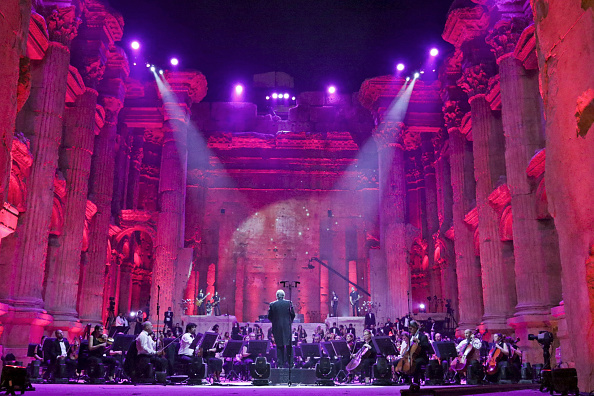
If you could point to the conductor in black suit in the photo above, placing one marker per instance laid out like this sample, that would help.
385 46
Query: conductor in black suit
281 315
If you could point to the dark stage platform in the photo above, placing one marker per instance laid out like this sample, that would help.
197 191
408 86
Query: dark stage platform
247 389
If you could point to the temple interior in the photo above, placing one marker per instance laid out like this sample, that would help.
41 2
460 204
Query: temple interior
465 197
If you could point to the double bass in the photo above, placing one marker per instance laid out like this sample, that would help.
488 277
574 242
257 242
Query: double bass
356 360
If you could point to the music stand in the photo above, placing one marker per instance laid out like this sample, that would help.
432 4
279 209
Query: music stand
384 346
122 342
31 350
329 349
445 350
258 347
196 341
310 350
341 347
232 349
208 340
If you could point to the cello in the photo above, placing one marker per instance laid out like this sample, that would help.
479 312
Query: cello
496 354
407 365
356 360
459 363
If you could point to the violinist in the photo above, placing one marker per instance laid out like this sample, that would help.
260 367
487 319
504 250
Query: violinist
98 348
186 354
498 354
146 348
59 351
419 355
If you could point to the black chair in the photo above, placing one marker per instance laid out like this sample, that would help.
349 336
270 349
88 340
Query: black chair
139 370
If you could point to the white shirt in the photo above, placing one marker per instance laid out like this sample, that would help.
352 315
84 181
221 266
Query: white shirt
184 345
62 347
145 344
476 343
121 322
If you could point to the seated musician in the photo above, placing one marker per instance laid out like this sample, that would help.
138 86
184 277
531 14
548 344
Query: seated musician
59 351
504 350
97 352
402 347
472 356
215 364
368 358
145 345
422 356
186 354
245 358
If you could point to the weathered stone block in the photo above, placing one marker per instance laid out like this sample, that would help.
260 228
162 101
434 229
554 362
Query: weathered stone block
233 111
299 113
311 98
338 99
323 114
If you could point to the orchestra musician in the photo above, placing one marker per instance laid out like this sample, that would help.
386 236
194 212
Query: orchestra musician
215 364
146 348
59 351
334 304
368 359
187 355
99 351
472 356
422 356
498 354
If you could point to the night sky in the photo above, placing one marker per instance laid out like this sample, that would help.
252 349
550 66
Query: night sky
318 42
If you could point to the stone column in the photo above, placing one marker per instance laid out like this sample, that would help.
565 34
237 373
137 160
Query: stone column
468 270
169 259
432 220
13 33
392 195
136 156
75 163
524 136
499 291
90 306
122 162
125 299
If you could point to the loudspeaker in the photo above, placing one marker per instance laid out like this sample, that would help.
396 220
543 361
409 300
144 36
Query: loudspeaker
298 376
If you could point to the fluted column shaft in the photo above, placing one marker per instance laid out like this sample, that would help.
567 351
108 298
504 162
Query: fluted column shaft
392 195
13 38
432 219
522 123
468 269
136 156
171 220
42 122
75 163
100 192
499 289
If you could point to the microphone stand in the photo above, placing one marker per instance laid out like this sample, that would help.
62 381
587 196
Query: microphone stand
291 285
158 300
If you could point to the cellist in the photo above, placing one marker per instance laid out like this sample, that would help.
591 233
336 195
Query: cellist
499 353
467 356
420 355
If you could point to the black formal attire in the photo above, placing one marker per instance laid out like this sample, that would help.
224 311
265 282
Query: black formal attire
422 358
369 319
352 331
96 357
138 325
216 301
235 333
56 351
281 315
168 321
334 304
368 360
334 330
354 295
202 307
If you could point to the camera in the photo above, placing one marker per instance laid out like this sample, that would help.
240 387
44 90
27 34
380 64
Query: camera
543 337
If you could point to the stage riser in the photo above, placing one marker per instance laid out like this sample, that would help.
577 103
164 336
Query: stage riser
298 376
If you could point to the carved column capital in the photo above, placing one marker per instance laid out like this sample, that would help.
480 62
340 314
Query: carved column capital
112 107
452 114
386 134
505 35
475 79
62 25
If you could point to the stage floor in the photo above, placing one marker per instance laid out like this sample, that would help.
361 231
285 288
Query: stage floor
247 389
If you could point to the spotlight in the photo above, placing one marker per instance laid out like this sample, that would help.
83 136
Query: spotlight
238 89
267 97
286 96
422 306
174 61
293 98
132 314
134 63
331 89
400 67
434 52
407 78
153 68
417 75
260 371
148 65
161 72
274 95
325 372
422 71
135 45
